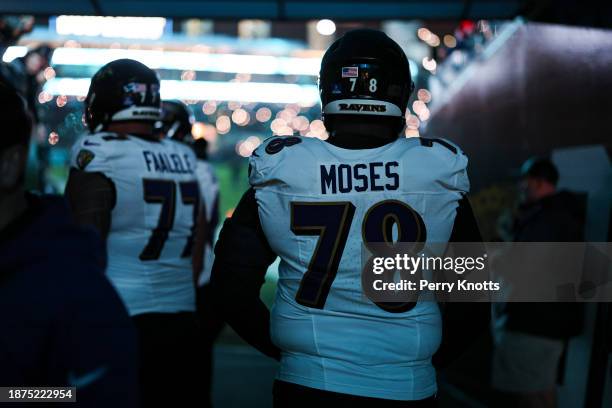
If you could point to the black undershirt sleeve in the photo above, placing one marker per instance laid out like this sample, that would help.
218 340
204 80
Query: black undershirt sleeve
242 257
463 323
465 227
91 197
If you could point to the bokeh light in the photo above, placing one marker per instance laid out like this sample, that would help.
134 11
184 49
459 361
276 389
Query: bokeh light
434 41
326 27
450 41
418 106
197 130
233 105
204 131
412 122
300 123
246 147
223 124
412 133
263 114
44 97
424 95
209 107
287 115
61 101
53 138
317 129
424 34
279 127
424 114
240 117
49 73
429 64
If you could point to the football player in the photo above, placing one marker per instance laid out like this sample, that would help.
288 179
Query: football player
314 203
177 120
63 324
141 193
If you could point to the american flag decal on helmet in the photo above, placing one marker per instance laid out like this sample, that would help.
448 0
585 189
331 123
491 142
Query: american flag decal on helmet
350 72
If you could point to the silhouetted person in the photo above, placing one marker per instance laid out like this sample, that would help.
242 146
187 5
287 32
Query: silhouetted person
62 324
140 192
531 342
177 120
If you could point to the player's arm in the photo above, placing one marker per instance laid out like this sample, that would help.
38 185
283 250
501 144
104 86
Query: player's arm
96 340
463 322
242 257
91 197
465 226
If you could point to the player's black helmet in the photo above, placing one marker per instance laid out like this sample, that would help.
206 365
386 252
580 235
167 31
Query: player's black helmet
177 120
122 90
365 73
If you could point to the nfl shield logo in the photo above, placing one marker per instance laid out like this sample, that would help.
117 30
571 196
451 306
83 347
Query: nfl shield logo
350 72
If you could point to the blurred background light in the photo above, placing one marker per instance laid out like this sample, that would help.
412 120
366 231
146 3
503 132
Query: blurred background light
125 27
209 107
223 124
429 64
53 138
308 95
183 60
326 27
450 41
13 52
263 114
424 95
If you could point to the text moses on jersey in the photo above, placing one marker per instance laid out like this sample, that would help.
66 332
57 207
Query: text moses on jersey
346 178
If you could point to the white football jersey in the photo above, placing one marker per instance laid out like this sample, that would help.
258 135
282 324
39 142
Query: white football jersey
317 204
151 234
209 189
